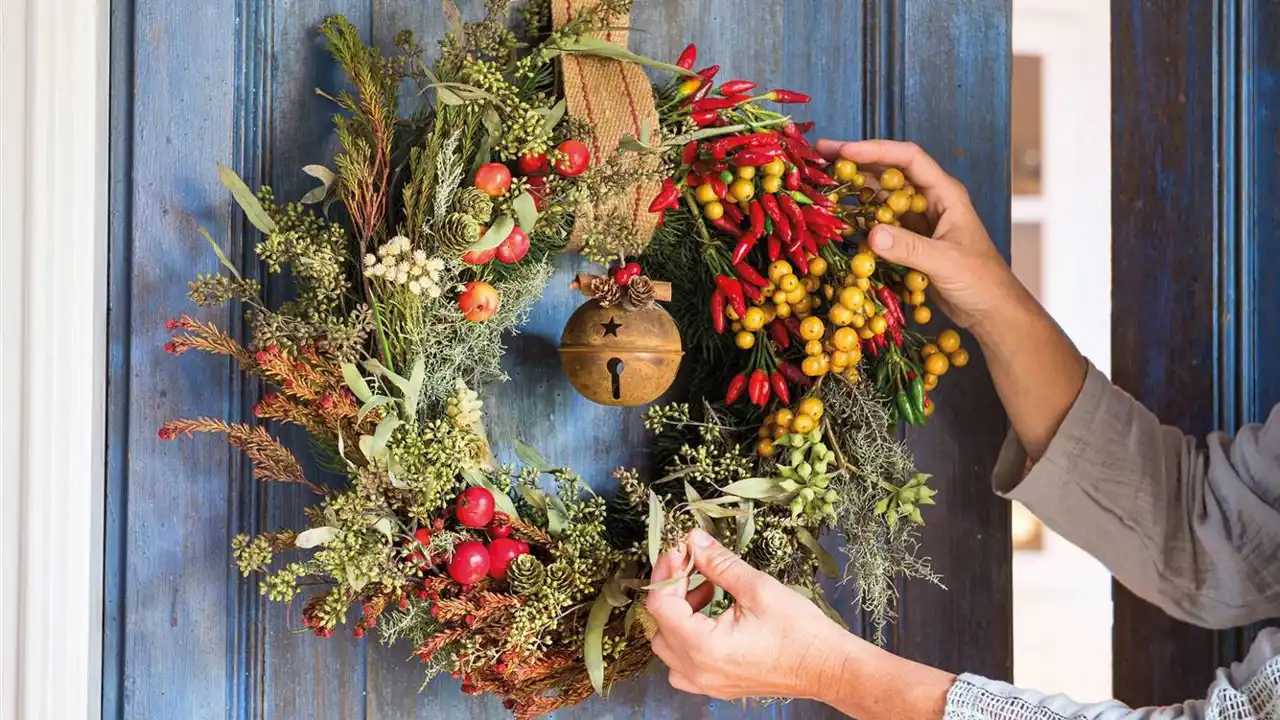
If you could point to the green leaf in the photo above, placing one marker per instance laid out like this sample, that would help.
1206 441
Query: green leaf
315 536
356 382
746 526
593 643
630 144
498 232
417 375
382 434
644 131
615 588
699 515
326 178
599 47
222 257
826 563
248 202
552 116
713 510
445 96
557 521
384 526
526 210
381 371
476 478
761 488
535 497
656 521
629 619
372 404
531 457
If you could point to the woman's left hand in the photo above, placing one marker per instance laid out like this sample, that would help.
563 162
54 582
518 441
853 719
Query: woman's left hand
771 643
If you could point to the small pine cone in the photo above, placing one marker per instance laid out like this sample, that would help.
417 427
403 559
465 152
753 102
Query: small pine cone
526 574
774 549
476 203
457 232
559 576
605 291
640 293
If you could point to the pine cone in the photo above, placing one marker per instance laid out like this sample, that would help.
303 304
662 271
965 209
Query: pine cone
773 550
476 203
605 291
457 232
559 576
526 574
639 293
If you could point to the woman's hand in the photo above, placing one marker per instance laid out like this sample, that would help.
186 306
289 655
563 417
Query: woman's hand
771 643
971 281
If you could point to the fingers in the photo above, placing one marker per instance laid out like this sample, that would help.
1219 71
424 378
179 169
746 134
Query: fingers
668 604
923 171
901 246
699 597
680 682
724 568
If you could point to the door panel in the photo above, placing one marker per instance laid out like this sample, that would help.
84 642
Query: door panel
233 81
1196 147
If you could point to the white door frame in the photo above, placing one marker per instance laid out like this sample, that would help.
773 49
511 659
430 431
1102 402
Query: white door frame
53 279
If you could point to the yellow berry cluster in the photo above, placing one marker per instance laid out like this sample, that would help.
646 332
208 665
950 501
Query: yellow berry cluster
940 357
894 199
801 419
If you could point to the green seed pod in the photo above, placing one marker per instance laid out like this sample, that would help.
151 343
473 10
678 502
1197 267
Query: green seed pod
820 481
807 495
832 496
789 485
797 506
820 467
797 457
804 470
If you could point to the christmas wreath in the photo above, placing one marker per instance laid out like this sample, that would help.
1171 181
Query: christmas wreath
428 242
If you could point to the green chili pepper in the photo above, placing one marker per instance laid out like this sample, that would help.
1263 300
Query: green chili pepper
917 397
904 408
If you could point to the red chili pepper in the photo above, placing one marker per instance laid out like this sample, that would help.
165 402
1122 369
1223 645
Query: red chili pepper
817 177
780 388
719 103
734 213
751 292
690 153
662 219
786 96
667 197
748 273
816 196
791 209
757 217
736 386
688 57
744 246
808 242
880 342
692 180
893 310
798 258
703 119
869 345
774 246
722 147
757 156
791 180
723 225
794 374
780 225
780 335
736 87
718 300
706 74
759 387
719 187
733 291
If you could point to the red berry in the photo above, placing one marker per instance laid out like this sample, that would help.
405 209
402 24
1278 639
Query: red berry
500 668
475 507
404 602
494 179
359 632
423 536
514 247
574 158
470 563
535 164
500 527
479 257
501 552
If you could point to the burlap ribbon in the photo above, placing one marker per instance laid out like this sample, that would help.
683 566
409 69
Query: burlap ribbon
616 98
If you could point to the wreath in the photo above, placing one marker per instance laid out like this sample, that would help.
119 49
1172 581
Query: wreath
427 244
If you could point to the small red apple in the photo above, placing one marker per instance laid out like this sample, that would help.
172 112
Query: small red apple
535 164
514 247
479 257
494 179
475 507
478 301
501 552
574 158
538 189
470 563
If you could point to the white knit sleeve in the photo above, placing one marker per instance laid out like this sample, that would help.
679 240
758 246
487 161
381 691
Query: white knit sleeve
1248 690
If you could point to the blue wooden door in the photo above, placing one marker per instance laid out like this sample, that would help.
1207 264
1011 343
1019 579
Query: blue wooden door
195 83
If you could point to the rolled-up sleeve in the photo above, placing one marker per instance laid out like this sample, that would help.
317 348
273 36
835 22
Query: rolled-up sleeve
1193 529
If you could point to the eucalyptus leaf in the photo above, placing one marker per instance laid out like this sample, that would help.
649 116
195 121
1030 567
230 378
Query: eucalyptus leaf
531 457
372 404
366 446
326 178
315 536
656 521
245 198
384 526
417 375
557 521
501 500
629 619
222 257
761 488
498 232
396 482
593 643
826 563
746 526
534 497
526 211
381 370
615 592
552 116
445 96
715 511
630 144
645 128
599 47
382 434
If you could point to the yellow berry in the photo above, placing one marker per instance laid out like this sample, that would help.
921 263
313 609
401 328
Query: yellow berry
817 267
828 292
863 284
766 430
915 297
713 210
845 170
735 326
960 358
730 313
783 418
840 360
783 309
878 325
859 320
928 350
948 341
869 307
705 194
845 338
855 354
865 333
852 373
804 423
770 313
892 179
928 408
812 329
746 172
789 282
774 167
810 406
754 319
852 298
916 280
859 180
779 269
797 296
840 316
930 381
810 283
745 340
742 189
919 203
863 265
779 297
923 315
813 347
771 183
937 364
899 202
765 448
884 214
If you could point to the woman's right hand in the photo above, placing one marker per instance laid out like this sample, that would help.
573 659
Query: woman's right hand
972 281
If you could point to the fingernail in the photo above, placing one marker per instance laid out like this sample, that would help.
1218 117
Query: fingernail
702 539
882 238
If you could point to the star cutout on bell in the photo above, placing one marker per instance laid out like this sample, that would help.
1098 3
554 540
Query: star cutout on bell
611 327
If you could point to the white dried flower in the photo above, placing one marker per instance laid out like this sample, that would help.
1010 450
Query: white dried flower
402 276
433 290
415 287
402 243
420 256
435 265
370 260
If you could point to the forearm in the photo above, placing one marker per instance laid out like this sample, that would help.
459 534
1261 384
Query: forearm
1037 370
865 682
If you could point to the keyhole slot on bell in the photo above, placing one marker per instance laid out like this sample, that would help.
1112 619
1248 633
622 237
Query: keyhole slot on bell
615 373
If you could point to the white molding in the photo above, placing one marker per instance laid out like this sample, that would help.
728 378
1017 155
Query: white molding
54 222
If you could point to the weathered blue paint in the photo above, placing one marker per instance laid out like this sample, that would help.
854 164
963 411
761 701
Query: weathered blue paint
1196 310
233 81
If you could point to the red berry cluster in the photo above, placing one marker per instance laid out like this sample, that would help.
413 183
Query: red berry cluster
473 560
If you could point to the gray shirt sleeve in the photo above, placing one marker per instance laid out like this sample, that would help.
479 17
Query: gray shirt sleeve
1191 528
